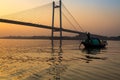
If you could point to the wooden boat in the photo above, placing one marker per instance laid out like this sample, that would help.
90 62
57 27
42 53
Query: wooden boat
94 42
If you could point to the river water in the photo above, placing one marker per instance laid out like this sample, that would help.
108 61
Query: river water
22 59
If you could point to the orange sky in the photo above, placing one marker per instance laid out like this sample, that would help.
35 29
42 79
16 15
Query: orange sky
96 16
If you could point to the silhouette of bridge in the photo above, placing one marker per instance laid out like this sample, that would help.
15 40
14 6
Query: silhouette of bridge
38 26
53 28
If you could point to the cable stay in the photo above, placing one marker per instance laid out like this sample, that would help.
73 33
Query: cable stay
70 22
73 18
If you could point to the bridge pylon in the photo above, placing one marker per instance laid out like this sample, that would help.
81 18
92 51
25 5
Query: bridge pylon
53 20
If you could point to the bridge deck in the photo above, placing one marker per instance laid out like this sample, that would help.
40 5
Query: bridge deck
38 26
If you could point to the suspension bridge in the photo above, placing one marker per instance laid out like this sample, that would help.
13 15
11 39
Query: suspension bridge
39 16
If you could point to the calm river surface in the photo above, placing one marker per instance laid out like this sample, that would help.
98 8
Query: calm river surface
35 60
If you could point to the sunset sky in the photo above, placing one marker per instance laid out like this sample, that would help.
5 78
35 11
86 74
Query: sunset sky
96 16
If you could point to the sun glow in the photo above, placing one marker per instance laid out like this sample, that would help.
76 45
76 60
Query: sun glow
96 16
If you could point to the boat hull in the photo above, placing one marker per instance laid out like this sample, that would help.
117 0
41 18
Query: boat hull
93 46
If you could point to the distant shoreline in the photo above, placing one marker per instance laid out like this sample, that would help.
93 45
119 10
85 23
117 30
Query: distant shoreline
57 38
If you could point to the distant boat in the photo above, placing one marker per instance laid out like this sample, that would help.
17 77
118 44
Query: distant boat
92 42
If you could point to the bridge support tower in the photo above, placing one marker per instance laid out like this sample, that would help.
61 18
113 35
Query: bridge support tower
53 20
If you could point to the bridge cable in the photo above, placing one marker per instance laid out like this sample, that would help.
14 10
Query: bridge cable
31 9
73 17
34 15
69 21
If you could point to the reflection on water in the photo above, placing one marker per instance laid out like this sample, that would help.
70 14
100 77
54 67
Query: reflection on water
27 60
93 51
56 66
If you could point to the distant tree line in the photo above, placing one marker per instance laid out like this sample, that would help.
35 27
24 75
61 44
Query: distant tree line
77 37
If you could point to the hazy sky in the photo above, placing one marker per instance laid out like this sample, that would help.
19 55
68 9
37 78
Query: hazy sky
96 16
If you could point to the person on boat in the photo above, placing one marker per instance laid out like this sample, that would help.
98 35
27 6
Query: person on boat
88 36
